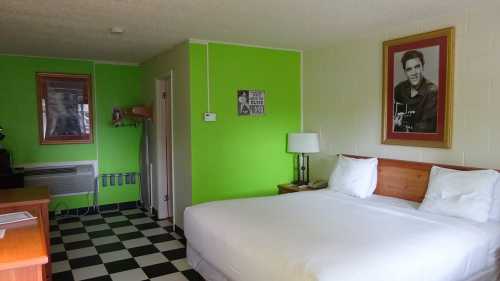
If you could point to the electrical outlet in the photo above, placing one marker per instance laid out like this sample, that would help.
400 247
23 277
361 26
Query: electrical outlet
209 117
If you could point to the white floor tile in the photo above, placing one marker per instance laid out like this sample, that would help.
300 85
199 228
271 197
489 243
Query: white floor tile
83 252
97 227
136 242
181 264
124 229
75 237
70 225
154 231
115 219
141 221
115 256
129 275
57 248
105 240
90 272
171 277
60 266
151 259
164 223
169 245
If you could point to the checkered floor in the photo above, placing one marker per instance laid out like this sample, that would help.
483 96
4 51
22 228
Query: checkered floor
122 245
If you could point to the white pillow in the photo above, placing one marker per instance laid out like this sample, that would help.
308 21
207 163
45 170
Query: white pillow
495 205
356 177
464 194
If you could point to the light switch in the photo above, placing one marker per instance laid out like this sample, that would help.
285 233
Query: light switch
210 116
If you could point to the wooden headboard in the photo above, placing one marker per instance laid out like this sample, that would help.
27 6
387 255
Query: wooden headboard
405 179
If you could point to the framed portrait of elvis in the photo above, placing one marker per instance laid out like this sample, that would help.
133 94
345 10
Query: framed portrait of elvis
418 89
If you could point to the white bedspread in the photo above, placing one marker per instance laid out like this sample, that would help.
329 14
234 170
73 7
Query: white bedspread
323 235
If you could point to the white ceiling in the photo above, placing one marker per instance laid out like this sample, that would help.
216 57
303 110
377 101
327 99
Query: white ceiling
80 28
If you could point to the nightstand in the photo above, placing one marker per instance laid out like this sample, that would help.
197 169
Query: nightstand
289 188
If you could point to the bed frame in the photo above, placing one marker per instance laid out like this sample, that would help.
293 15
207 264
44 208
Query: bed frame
406 179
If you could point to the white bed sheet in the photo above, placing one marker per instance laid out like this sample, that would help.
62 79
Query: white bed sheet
324 235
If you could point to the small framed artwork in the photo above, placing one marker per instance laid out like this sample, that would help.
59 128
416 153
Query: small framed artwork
250 102
64 108
418 89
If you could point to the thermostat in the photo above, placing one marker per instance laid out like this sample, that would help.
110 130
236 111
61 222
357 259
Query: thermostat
209 117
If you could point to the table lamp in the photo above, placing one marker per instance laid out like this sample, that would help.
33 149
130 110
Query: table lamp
303 144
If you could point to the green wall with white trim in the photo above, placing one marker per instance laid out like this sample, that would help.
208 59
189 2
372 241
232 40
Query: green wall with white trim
118 148
242 156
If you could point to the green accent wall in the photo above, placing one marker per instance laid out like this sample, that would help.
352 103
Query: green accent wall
118 148
242 156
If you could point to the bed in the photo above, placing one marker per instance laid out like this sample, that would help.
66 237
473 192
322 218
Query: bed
325 235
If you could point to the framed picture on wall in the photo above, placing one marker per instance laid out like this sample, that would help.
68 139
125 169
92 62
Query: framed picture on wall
64 108
418 89
250 102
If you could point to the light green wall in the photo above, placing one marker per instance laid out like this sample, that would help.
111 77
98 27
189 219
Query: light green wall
175 61
242 156
116 85
19 113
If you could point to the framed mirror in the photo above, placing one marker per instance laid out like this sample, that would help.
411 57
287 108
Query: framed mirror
64 108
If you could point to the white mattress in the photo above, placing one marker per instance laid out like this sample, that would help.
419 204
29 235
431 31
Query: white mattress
324 235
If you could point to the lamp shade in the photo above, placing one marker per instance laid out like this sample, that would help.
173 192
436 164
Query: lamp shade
303 142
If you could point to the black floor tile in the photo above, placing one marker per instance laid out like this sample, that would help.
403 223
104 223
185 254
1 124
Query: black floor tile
56 240
143 250
147 226
136 216
67 220
121 265
101 233
192 275
78 245
130 235
85 261
152 271
94 222
72 231
100 278
175 254
119 224
109 247
58 257
111 214
156 270
63 276
160 238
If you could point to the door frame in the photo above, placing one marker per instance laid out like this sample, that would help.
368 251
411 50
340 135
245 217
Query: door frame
161 145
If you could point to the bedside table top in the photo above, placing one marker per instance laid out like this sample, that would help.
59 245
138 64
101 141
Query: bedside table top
290 187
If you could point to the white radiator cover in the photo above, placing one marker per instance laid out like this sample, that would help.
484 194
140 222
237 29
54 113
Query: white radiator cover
62 178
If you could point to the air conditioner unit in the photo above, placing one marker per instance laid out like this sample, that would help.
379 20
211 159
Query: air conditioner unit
62 178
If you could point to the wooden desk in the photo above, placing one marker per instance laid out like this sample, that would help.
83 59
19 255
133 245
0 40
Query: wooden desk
34 200
23 252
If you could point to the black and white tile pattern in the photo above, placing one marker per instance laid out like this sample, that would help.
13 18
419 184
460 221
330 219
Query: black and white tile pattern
118 246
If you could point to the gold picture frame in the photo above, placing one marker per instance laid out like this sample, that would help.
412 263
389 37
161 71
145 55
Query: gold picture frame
417 106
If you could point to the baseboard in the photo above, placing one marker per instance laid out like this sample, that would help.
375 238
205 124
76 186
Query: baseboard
102 208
